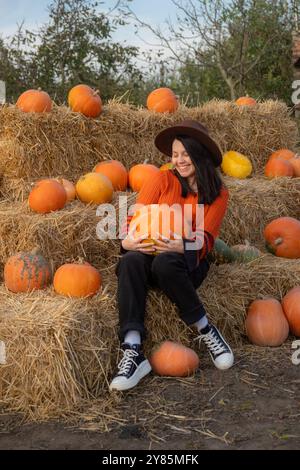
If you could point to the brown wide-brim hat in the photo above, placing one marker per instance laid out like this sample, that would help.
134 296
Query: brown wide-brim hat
190 128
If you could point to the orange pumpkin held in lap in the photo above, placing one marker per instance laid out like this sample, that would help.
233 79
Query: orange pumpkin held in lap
282 237
83 99
174 360
34 101
115 172
77 280
162 100
291 307
47 196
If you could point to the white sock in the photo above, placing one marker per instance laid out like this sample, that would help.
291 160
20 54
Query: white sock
202 323
132 337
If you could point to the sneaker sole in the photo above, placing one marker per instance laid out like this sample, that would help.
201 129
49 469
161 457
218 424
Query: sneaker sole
141 372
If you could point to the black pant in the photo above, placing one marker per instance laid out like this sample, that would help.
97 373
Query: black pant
137 271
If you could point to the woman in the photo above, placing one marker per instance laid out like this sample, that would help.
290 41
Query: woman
176 269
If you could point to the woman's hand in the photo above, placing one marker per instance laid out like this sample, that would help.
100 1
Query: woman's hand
132 244
169 245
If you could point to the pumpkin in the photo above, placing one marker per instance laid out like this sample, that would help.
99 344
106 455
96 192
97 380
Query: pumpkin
245 101
162 100
25 272
223 253
115 172
295 162
284 154
246 252
95 188
174 360
278 167
139 174
167 166
34 101
291 308
46 196
266 324
282 237
83 99
77 280
236 164
69 188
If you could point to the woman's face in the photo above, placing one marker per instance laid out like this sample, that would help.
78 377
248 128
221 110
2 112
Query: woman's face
181 160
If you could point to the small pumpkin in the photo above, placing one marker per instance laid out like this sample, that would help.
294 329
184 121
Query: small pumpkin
115 172
236 164
266 324
34 101
77 280
282 237
245 101
94 188
139 174
46 196
162 100
291 307
167 166
295 162
277 167
25 272
174 360
223 253
83 99
69 188
283 154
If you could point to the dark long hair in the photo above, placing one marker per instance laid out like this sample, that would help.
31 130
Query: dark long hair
208 178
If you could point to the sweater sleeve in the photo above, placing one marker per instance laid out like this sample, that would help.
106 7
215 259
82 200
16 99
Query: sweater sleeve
206 237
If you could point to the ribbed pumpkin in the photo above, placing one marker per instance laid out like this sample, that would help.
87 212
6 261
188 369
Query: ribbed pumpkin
77 280
282 237
162 100
94 188
291 307
222 253
266 324
295 162
83 99
25 272
115 172
284 154
47 196
277 167
245 101
34 101
166 166
236 164
69 188
174 360
139 174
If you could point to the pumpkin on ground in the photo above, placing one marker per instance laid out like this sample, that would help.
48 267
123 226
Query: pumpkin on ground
278 167
162 100
83 99
34 101
282 237
25 272
167 166
174 360
245 101
46 196
115 172
94 188
139 174
69 188
295 162
235 164
283 154
223 253
291 307
266 324
77 280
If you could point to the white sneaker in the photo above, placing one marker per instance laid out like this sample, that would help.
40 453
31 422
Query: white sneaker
131 369
220 351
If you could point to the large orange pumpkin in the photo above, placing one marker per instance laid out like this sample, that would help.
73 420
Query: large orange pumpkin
245 101
266 324
283 154
34 101
174 360
282 237
162 100
95 188
77 280
83 99
69 188
115 172
277 167
25 272
291 307
139 174
47 196
295 162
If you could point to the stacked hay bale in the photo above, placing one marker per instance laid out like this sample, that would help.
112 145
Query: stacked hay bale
61 351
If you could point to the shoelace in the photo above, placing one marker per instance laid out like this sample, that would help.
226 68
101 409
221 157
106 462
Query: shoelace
126 361
214 344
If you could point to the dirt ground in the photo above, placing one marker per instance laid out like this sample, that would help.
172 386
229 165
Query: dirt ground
254 405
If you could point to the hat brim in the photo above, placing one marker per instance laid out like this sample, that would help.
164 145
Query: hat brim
165 138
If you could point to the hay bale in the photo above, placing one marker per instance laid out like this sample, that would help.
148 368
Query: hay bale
68 144
256 201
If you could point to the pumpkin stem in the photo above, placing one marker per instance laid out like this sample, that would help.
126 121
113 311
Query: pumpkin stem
278 241
36 250
96 92
145 161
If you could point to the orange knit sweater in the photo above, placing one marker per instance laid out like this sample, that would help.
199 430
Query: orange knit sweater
165 188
